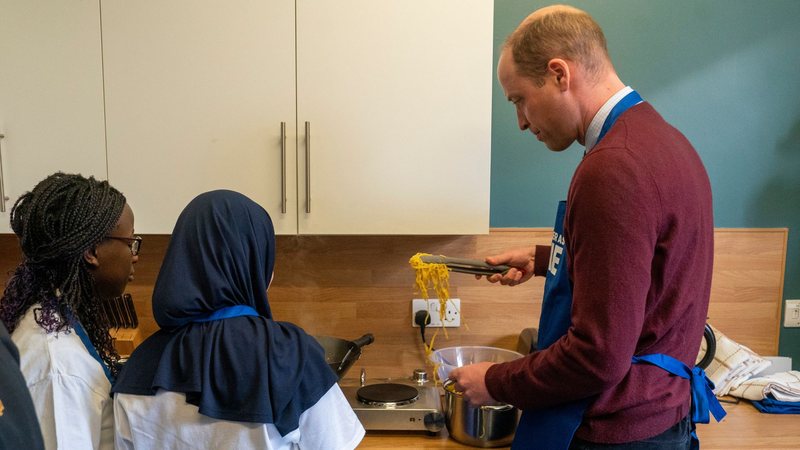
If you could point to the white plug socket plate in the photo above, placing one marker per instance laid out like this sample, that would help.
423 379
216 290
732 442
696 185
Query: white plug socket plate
452 316
791 318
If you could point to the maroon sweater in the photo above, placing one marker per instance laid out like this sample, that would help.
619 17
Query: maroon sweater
639 234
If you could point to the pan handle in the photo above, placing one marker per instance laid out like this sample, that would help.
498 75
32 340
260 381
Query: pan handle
711 347
364 340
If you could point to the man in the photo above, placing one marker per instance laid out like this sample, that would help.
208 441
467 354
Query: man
629 269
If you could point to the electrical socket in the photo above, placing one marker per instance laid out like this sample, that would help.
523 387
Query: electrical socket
452 315
791 318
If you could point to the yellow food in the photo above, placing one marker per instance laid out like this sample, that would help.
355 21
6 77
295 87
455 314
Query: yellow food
434 275
437 277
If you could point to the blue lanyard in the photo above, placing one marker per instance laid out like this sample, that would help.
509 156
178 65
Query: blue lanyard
227 313
629 100
92 351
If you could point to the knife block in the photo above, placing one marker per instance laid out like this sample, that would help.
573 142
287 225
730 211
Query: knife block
124 324
125 340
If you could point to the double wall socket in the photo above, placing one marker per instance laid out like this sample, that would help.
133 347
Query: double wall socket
791 318
452 314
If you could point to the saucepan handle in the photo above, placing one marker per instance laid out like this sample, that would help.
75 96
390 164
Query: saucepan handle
364 340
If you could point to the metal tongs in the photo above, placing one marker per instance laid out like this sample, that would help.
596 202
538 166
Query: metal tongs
462 265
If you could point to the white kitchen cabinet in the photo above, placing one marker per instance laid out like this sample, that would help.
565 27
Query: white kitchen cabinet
196 92
395 95
398 97
51 94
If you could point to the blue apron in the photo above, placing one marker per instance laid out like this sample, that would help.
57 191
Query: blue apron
92 351
552 428
87 343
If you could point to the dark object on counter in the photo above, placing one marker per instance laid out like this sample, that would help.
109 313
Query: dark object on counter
120 312
711 347
134 320
341 354
528 340
478 426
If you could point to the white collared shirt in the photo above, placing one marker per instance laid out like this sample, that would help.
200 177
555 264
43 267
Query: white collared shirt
593 132
165 421
70 391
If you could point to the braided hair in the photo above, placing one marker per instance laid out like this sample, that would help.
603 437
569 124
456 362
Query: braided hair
56 223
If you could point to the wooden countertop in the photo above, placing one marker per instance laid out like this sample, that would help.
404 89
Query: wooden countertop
743 428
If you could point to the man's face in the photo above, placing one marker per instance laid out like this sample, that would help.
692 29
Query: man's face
541 109
114 267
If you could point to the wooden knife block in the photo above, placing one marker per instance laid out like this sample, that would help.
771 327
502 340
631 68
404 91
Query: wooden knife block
125 340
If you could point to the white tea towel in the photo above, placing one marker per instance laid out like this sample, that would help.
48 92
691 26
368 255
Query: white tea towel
784 386
733 364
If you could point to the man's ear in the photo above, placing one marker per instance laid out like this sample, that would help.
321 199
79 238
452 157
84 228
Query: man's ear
560 71
90 256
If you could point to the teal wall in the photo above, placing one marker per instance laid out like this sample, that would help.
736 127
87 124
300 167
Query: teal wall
724 72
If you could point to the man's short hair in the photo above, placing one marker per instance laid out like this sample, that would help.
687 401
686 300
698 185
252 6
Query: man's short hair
567 33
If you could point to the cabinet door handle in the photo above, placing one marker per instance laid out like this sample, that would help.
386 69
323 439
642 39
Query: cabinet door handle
2 178
283 167
308 167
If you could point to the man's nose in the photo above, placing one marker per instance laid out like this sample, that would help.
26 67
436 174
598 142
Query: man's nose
522 121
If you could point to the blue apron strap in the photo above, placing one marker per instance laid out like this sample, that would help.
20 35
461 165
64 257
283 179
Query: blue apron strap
227 313
629 100
90 348
703 398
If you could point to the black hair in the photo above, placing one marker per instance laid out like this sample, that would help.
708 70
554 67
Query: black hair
56 223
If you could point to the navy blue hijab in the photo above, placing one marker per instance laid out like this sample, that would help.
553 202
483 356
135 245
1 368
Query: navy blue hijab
246 368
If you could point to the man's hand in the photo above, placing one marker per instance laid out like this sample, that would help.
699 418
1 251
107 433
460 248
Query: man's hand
521 262
470 381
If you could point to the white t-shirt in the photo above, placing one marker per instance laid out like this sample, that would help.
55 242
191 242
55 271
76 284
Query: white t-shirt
70 391
165 421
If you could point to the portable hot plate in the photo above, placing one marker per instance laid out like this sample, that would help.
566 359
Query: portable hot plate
408 404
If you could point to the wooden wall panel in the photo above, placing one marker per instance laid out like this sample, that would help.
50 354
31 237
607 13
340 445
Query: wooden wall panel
346 286
747 288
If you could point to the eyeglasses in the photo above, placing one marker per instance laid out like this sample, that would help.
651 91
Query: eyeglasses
135 242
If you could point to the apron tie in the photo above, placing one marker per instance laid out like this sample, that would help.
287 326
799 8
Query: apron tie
703 399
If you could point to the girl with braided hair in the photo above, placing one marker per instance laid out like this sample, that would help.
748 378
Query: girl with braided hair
76 236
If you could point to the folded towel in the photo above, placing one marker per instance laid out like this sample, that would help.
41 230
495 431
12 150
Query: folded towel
784 386
771 406
733 364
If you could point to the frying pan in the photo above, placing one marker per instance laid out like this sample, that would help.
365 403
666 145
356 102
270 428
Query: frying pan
341 354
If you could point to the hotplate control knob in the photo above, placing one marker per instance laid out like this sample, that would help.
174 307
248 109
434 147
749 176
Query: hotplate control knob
420 376
434 422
